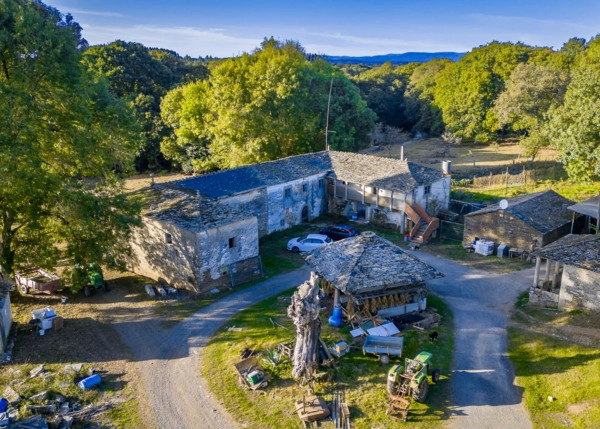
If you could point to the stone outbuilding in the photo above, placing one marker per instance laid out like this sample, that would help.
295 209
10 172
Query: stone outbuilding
572 272
542 217
193 243
297 189
371 274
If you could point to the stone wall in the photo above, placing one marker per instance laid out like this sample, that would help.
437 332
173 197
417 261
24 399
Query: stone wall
253 203
580 289
285 211
500 227
194 261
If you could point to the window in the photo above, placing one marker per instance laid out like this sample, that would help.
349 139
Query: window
232 242
287 192
305 187
168 238
321 183
282 222
427 190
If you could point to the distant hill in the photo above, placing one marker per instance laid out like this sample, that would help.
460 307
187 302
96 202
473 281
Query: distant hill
407 57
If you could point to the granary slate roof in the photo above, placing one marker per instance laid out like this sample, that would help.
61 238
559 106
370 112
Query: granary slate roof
386 173
577 250
588 207
368 263
543 211
184 210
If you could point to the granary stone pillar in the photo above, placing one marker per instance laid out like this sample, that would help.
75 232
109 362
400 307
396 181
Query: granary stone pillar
547 273
556 278
536 274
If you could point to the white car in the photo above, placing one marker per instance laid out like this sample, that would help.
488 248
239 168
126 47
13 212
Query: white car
308 242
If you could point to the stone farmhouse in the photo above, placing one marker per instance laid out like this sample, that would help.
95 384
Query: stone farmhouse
572 273
242 204
542 217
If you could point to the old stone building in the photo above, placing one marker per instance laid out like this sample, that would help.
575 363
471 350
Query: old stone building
297 189
542 217
191 242
370 273
572 272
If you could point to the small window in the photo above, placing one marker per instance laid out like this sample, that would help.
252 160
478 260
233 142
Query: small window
304 187
168 238
427 190
321 183
232 242
287 193
282 222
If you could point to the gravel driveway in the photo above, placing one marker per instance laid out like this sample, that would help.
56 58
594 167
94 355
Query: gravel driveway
482 390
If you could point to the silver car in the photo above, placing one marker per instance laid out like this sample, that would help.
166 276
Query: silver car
307 242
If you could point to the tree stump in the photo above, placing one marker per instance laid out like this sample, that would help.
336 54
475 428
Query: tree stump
304 311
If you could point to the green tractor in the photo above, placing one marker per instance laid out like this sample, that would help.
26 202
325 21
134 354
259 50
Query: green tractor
410 379
88 278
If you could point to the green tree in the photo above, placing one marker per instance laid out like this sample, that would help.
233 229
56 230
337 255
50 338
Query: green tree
574 127
530 92
465 91
263 106
63 137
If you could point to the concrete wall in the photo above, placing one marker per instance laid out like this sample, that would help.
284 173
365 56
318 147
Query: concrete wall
194 261
437 199
283 212
580 289
500 227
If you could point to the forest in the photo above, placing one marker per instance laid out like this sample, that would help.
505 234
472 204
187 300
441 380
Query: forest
76 119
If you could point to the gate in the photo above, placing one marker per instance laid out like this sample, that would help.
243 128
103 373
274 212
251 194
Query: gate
246 270
451 230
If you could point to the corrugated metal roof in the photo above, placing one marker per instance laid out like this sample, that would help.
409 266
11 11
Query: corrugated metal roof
368 263
385 173
543 211
589 207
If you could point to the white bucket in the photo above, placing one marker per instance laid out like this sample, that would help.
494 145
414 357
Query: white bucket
63 299
42 332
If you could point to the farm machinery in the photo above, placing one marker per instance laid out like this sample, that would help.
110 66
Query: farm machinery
409 382
89 278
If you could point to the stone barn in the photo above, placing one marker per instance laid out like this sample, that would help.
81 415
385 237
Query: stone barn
193 243
372 275
575 277
542 217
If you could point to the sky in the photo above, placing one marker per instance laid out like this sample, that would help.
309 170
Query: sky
226 28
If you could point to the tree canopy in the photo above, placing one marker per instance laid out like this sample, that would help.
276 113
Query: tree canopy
263 106
63 137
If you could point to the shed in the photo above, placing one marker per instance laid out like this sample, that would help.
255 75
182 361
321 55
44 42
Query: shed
576 277
373 273
5 315
590 209
542 217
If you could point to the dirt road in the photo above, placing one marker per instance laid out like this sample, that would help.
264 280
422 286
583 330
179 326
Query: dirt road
168 359
482 391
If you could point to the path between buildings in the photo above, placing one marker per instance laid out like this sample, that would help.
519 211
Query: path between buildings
482 391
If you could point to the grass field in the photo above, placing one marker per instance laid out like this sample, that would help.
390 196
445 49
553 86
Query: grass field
362 377
561 380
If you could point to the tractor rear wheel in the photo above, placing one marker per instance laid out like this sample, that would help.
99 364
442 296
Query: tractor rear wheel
435 375
420 393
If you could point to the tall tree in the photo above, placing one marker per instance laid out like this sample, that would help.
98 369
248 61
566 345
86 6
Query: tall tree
530 92
63 136
264 106
574 127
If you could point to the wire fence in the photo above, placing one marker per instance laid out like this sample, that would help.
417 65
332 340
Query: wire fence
509 178
451 230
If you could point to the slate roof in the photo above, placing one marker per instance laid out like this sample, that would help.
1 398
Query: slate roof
386 173
184 210
588 207
543 211
577 250
368 263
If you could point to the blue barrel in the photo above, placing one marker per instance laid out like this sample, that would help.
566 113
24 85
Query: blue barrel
336 319
91 381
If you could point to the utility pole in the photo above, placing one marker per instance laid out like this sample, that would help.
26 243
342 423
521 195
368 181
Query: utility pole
327 120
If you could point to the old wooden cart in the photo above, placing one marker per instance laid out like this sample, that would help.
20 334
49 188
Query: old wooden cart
250 373
37 280
384 347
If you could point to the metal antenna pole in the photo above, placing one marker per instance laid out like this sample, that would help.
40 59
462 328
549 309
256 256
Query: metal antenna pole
327 121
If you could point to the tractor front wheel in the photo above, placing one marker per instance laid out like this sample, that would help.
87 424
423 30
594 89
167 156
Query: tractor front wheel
420 393
435 375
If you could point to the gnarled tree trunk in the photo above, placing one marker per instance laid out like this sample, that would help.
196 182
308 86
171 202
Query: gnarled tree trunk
304 311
